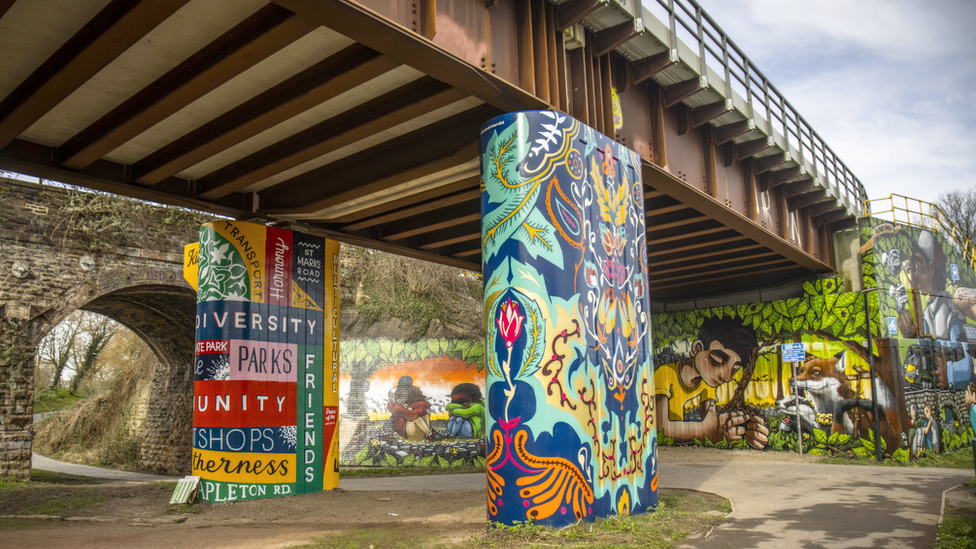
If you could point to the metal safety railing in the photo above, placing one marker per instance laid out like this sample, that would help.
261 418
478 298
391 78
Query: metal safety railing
689 22
918 213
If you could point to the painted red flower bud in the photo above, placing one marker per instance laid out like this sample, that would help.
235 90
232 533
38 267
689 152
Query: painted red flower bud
510 322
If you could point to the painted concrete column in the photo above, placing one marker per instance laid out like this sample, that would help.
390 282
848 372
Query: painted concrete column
571 419
267 363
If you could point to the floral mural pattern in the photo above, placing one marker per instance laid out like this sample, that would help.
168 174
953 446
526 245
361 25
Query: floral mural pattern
571 422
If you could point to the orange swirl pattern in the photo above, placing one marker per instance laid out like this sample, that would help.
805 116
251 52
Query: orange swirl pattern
495 481
560 483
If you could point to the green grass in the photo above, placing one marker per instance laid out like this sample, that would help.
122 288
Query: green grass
679 514
183 509
37 498
958 529
53 400
50 477
960 459
957 533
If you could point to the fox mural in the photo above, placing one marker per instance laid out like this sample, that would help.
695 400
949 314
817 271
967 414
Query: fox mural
720 381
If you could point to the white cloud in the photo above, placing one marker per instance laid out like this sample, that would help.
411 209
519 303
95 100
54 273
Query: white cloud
890 85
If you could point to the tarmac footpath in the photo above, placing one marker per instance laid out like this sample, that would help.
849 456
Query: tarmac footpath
775 505
779 505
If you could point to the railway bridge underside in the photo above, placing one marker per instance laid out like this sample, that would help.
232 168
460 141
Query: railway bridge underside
360 121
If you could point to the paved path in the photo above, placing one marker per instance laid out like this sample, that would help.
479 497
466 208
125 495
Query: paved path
775 505
48 464
778 505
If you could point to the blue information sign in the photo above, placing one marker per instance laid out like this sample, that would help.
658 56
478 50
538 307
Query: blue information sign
892 325
793 352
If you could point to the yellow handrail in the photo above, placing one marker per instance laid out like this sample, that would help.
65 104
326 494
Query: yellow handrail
918 213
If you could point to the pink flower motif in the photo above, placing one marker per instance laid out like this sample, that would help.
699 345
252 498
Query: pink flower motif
613 269
607 265
510 322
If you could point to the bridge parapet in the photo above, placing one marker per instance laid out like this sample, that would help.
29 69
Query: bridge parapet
719 85
911 211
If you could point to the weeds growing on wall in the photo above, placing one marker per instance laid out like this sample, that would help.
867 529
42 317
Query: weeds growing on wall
416 291
102 219
14 353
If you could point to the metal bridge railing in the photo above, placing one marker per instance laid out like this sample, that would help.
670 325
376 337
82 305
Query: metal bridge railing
917 213
689 21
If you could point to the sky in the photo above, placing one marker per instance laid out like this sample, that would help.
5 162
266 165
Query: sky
890 85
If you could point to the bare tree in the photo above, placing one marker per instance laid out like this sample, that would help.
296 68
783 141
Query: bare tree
98 331
56 347
72 348
959 206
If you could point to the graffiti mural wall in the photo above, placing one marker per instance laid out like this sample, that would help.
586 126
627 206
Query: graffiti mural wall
928 308
720 380
266 375
570 428
412 403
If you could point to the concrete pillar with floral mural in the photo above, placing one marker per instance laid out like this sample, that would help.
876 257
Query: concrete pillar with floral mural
571 420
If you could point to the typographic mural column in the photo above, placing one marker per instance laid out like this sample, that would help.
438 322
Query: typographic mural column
571 420
266 389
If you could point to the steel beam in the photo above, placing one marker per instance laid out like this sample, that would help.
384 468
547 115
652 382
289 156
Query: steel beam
452 200
417 199
695 246
676 93
433 221
728 132
337 74
681 191
365 26
259 36
608 40
570 13
110 33
748 149
416 99
766 163
424 152
639 71
778 177
706 113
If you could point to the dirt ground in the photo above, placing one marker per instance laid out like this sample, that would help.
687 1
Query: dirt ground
137 515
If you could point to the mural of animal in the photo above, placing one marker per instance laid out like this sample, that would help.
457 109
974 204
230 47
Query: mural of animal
807 415
826 384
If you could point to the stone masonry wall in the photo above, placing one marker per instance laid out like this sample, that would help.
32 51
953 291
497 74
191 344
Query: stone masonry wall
50 266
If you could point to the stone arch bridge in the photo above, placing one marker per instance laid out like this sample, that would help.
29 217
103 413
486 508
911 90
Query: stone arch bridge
49 269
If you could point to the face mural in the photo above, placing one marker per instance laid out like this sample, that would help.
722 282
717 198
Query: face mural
412 403
570 404
720 380
928 307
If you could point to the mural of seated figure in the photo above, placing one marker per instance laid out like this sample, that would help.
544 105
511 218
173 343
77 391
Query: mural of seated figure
467 412
410 410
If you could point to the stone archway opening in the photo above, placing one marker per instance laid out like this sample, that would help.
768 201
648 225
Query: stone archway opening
162 316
